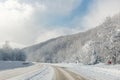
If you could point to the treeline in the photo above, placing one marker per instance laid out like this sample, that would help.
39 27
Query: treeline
9 54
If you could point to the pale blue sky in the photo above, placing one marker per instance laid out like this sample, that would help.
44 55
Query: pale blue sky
57 20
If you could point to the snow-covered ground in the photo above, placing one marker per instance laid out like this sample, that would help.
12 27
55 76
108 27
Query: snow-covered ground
94 72
41 71
98 72
20 71
5 65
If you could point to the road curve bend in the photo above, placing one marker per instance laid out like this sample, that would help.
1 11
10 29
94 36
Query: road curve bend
63 74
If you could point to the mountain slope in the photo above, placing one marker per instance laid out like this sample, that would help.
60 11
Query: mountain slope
99 44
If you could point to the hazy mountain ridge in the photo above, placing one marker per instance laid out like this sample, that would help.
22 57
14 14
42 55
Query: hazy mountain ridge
99 44
12 45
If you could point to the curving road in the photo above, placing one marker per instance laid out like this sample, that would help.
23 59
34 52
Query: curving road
63 74
39 72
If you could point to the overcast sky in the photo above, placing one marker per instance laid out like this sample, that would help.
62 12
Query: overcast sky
32 21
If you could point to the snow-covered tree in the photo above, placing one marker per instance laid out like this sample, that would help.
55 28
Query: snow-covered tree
9 54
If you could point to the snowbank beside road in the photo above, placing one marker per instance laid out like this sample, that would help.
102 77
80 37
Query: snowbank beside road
94 72
5 65
98 72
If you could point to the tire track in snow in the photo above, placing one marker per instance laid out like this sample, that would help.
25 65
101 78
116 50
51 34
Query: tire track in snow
8 74
63 74
38 73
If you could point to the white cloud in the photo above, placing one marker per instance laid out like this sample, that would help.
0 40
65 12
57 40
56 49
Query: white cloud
61 6
18 19
47 34
99 10
15 19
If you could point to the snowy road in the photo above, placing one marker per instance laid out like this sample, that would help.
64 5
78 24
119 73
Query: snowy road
63 74
62 71
7 74
39 72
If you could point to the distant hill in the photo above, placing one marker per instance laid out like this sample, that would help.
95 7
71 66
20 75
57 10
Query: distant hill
12 45
100 44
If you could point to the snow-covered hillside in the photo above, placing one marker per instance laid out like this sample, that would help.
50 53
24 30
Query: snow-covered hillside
100 44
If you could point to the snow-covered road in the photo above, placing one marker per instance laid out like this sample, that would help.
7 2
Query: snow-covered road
7 74
35 72
42 71
63 74
39 72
